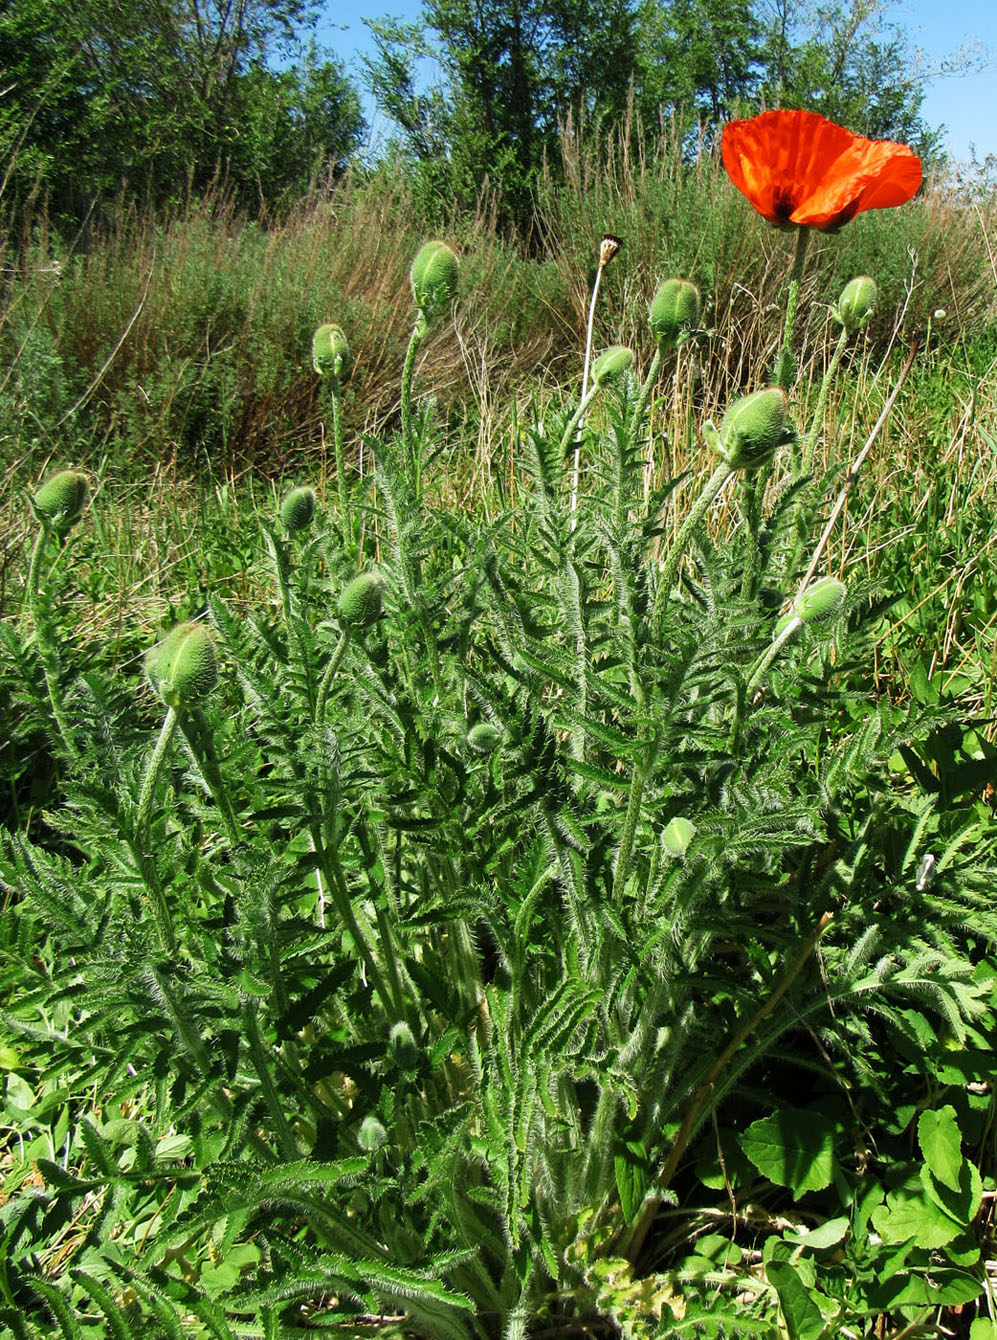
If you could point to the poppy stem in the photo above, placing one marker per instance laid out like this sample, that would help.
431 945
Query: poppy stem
576 422
785 367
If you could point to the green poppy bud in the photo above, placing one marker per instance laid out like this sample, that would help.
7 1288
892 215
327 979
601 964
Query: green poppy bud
819 600
675 310
331 355
435 272
183 668
61 499
755 427
676 836
402 1046
611 363
484 737
371 1135
360 602
857 303
298 509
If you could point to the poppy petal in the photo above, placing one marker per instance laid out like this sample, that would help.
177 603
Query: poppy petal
797 167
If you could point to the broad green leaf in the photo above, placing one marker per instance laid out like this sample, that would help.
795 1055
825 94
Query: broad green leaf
910 1214
983 1328
799 1311
941 1144
961 1204
825 1235
794 1149
937 1287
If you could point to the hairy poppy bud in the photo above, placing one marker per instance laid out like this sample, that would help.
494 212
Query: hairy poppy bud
371 1135
298 509
675 310
857 303
331 355
434 275
755 427
360 602
484 737
183 668
611 363
676 836
61 499
402 1046
818 601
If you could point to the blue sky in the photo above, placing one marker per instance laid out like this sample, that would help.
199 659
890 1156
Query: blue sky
938 29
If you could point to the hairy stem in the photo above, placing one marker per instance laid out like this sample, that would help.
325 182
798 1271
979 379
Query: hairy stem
673 558
47 652
143 823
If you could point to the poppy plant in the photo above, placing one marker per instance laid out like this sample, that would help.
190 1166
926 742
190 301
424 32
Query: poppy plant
798 168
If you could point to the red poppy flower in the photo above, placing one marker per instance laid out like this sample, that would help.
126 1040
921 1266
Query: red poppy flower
797 167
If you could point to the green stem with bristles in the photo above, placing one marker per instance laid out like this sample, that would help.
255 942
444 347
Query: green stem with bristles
47 652
810 444
143 824
337 444
335 661
785 367
408 372
644 394
670 566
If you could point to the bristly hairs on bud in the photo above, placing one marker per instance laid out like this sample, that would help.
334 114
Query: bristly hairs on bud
331 355
675 311
297 511
60 501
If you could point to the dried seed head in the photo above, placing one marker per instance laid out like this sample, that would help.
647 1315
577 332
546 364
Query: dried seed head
612 363
331 355
434 275
675 310
856 304
183 668
361 602
755 427
608 248
61 499
298 509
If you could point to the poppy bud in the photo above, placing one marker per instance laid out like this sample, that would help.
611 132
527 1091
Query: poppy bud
402 1046
817 602
360 602
434 275
675 310
676 836
371 1135
484 737
331 355
183 668
298 509
611 363
755 427
857 303
61 499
